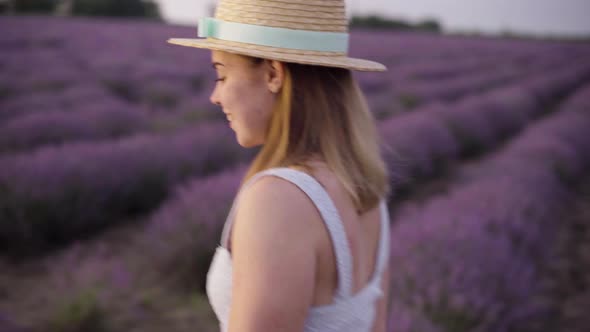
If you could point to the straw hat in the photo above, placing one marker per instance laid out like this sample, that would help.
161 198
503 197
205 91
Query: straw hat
313 32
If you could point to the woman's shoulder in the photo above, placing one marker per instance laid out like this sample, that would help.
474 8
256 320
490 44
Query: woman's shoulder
271 201
284 186
274 194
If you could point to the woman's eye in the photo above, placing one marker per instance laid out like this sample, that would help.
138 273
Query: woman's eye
220 80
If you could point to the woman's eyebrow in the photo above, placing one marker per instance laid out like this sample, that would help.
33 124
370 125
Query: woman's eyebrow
215 64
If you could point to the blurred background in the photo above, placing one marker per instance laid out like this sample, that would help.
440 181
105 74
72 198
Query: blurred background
116 173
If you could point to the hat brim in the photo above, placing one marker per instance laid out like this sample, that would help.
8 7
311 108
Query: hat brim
285 55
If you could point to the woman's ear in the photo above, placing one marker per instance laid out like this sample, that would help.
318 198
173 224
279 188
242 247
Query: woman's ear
275 75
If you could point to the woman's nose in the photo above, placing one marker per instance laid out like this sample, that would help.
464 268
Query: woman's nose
214 98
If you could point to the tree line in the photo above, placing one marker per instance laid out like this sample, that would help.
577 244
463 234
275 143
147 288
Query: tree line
380 22
118 8
150 9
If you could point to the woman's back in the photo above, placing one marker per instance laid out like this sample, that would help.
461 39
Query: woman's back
350 255
362 233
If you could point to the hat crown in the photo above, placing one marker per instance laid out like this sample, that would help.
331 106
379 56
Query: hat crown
310 32
312 15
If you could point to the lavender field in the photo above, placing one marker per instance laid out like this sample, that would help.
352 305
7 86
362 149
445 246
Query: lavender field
116 174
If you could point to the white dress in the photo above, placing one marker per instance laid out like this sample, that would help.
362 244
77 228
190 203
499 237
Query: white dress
348 312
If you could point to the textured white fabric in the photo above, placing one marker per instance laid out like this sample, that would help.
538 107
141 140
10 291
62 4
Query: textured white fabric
348 312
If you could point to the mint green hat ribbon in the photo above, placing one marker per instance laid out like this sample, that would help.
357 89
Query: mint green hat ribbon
274 37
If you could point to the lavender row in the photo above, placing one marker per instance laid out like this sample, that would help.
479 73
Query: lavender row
103 119
432 140
419 143
190 222
155 92
85 121
129 281
472 260
185 230
429 90
390 98
56 194
436 69
95 121
445 68
68 98
407 47
53 63
410 56
41 56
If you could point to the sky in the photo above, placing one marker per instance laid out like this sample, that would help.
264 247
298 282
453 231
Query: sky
532 17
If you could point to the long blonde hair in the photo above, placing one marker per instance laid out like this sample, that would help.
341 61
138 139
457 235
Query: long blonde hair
322 111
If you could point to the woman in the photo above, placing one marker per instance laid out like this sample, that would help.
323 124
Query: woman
305 245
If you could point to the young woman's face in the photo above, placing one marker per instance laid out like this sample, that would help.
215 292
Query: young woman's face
246 95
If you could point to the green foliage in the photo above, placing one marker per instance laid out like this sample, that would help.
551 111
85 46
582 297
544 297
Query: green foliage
409 101
470 146
379 22
5 91
81 313
197 82
162 98
452 320
563 173
374 21
34 6
118 8
55 86
51 42
122 89
200 115
151 10
443 314
152 188
429 25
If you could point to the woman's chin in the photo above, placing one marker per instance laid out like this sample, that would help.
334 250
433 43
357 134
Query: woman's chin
247 143
243 142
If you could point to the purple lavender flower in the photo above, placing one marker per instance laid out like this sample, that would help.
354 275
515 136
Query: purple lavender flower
94 122
73 188
471 259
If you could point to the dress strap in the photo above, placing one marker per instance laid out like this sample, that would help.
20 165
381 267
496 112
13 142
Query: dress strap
320 198
383 254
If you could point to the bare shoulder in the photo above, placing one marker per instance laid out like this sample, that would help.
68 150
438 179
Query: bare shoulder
276 206
274 193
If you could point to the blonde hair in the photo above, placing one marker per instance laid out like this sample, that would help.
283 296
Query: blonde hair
322 111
